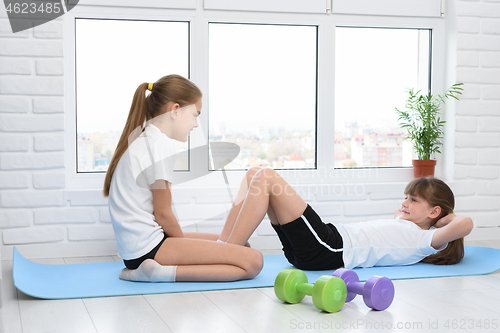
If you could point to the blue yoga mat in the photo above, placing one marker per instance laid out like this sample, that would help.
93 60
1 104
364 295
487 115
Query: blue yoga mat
101 279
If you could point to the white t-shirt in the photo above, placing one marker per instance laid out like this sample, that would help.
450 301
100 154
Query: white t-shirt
130 195
384 242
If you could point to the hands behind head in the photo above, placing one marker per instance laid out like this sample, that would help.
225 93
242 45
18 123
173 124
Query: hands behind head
444 220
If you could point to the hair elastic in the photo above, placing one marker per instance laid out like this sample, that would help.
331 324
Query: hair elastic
150 86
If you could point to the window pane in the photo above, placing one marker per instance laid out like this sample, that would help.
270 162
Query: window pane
374 69
112 58
262 85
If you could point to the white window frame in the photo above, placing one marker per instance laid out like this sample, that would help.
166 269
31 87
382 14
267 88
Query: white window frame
395 174
158 10
280 6
199 16
407 8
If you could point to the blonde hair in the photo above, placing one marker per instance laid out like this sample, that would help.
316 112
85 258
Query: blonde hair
170 88
437 193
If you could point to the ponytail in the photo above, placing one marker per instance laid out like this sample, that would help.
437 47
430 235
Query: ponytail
452 254
170 88
135 120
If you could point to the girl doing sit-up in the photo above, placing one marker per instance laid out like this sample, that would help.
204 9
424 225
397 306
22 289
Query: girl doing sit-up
424 228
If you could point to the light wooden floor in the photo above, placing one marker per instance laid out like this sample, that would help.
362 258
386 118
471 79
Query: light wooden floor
456 304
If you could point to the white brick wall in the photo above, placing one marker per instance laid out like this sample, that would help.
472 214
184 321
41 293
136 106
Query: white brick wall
14 104
477 147
48 105
38 212
48 142
34 209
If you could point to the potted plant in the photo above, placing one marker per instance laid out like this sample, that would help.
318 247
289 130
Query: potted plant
424 126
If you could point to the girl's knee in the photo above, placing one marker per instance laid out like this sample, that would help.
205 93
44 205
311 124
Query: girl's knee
255 263
266 173
251 172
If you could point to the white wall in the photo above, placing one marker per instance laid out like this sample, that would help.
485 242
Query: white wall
41 216
477 136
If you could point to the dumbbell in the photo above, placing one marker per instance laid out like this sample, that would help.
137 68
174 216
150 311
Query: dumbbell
328 292
377 291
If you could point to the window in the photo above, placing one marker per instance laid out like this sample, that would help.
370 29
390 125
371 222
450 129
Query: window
374 69
287 82
112 58
262 93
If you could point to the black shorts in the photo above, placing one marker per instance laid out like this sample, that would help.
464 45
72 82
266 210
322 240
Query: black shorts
134 263
310 244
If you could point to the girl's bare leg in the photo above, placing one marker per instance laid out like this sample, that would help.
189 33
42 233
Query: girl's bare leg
268 194
205 260
202 235
199 258
238 203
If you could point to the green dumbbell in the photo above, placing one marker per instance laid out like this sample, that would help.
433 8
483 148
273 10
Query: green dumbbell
328 293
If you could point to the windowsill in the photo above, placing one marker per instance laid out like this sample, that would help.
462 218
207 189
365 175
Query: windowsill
294 177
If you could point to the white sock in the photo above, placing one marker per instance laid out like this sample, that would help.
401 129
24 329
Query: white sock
150 271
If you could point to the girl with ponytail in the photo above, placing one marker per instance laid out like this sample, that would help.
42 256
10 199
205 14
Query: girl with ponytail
150 241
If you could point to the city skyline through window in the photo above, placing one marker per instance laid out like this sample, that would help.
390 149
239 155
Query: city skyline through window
262 85
374 69
262 89
113 57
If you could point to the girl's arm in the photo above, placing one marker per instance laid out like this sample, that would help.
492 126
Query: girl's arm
162 202
451 227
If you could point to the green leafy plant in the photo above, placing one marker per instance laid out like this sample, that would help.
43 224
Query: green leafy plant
422 121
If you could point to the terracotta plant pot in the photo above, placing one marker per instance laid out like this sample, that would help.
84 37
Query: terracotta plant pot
423 168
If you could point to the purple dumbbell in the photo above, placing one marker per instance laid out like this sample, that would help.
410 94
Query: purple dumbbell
377 291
